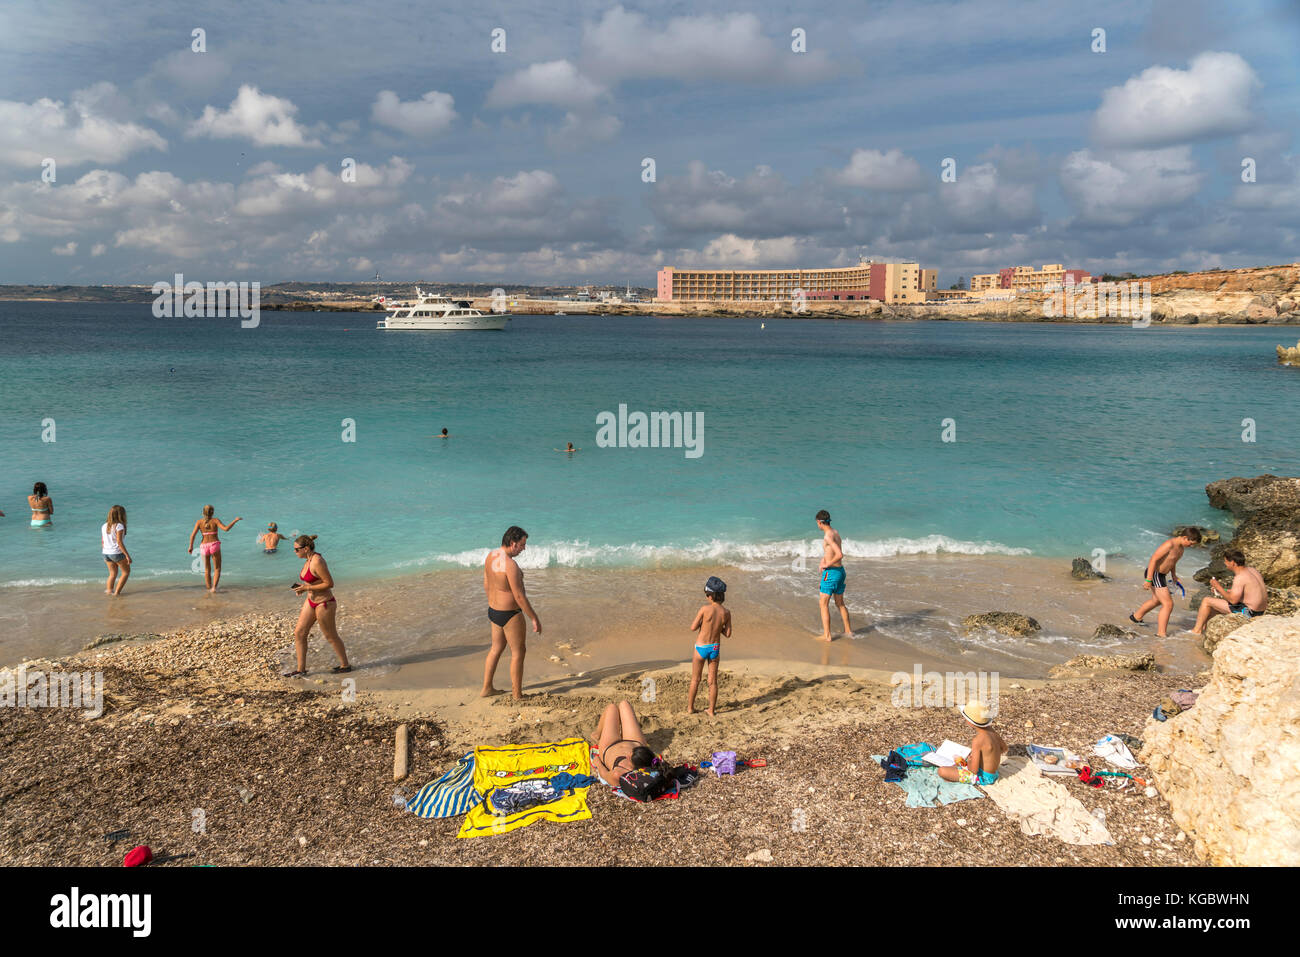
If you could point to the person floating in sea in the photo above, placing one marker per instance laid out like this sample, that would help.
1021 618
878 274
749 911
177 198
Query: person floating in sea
1161 570
569 448
42 506
712 622
833 576
1248 595
112 539
503 583
270 539
210 547
319 606
986 749
444 434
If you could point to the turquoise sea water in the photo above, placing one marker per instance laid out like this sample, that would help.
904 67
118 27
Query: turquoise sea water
1068 438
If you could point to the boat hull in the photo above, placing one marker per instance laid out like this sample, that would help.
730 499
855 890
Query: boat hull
443 325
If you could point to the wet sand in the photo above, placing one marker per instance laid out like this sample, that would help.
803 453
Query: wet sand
428 630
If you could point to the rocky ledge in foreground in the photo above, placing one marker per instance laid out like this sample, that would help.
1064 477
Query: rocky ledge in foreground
1230 766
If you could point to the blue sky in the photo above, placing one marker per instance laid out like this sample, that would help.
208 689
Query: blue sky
527 165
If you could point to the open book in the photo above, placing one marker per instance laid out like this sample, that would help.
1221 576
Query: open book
947 755
1038 754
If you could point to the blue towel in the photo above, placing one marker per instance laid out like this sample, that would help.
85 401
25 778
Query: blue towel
451 795
924 787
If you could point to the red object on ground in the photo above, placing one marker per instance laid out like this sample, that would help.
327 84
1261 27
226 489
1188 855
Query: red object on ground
138 856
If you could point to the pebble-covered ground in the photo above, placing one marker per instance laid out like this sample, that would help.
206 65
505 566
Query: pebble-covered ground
225 764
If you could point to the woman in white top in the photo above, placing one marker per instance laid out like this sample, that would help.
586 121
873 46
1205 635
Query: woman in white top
112 535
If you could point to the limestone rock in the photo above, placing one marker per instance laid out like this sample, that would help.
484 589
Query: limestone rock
1244 497
1114 631
1081 570
1218 628
1004 622
1289 357
1230 767
1271 545
1084 664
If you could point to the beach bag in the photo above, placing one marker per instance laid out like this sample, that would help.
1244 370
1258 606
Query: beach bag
646 784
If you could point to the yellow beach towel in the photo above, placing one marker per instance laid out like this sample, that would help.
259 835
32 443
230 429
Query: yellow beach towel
518 774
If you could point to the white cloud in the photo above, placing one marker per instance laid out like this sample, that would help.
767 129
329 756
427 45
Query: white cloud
71 135
556 83
983 199
272 192
872 169
431 114
626 44
732 251
265 119
67 249
1162 106
1119 188
98 249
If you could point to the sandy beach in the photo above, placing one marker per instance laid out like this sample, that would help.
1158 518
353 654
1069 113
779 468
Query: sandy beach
293 774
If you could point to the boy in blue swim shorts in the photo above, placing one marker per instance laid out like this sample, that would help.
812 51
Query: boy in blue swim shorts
986 749
832 570
712 622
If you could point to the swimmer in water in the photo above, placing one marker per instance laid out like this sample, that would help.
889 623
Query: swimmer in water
569 449
271 538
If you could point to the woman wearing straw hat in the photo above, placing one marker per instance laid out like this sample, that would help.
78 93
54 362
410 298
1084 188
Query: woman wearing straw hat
986 748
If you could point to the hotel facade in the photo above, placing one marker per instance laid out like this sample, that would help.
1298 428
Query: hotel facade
886 282
1028 279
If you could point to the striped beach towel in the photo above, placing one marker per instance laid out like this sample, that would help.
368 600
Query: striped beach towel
451 795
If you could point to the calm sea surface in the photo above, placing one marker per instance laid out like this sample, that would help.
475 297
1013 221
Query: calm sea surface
1067 438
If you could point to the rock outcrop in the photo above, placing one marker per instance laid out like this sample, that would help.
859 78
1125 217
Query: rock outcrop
1268 508
1114 631
1004 622
1230 766
1246 497
1091 664
1282 602
1289 357
1081 570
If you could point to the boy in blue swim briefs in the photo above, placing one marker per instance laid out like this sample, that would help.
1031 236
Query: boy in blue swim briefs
712 622
986 749
832 571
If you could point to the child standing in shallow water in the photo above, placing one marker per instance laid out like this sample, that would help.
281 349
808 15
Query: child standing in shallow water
712 622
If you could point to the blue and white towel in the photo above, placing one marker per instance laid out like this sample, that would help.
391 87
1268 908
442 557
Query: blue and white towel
451 795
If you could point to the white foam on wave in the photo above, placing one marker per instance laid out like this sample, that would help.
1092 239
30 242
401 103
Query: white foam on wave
750 556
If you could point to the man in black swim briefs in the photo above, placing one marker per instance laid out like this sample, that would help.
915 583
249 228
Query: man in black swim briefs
503 582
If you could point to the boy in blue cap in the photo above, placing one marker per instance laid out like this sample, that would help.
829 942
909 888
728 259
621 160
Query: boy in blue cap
712 622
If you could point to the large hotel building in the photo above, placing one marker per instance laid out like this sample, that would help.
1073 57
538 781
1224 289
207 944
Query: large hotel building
887 282
1028 279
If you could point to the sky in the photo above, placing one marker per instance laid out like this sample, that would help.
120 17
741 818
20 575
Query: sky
576 142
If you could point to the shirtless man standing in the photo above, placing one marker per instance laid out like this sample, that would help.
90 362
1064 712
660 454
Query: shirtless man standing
504 584
1161 570
832 569
1248 595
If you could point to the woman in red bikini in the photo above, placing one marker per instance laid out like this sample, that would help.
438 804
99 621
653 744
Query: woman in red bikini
319 606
